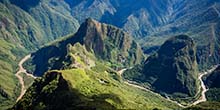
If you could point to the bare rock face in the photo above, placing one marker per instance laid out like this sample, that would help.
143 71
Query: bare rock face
109 42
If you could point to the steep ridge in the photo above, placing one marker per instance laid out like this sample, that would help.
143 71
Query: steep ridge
107 42
172 70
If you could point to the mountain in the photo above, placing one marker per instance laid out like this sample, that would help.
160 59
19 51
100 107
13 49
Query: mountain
83 89
172 69
79 74
212 82
26 25
51 15
151 22
107 42
17 36
22 30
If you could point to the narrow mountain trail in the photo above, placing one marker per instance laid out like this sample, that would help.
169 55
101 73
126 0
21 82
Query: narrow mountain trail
20 78
201 99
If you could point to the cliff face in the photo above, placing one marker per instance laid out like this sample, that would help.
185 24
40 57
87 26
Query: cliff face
109 43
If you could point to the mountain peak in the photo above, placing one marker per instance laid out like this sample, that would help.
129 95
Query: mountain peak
102 38
106 42
175 44
90 20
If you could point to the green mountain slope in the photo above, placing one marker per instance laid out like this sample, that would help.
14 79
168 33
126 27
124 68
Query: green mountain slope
172 70
20 33
52 16
16 37
83 89
107 42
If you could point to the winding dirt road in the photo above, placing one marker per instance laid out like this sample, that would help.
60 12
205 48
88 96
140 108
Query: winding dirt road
20 78
201 99
204 89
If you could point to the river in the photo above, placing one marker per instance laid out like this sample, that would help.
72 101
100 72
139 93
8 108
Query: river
203 87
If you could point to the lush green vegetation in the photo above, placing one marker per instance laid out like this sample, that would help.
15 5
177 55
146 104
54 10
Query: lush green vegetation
106 42
86 82
172 70
16 35
88 89
9 89
205 106
26 24
21 33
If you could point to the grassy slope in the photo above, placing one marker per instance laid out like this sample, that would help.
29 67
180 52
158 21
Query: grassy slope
8 81
19 33
54 17
88 89
88 83
15 35
94 85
